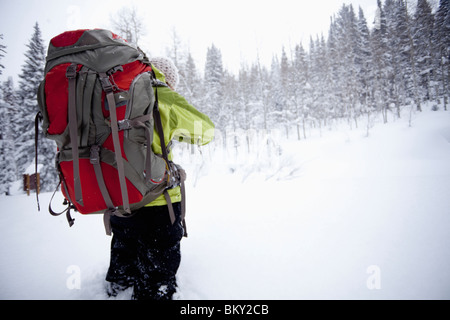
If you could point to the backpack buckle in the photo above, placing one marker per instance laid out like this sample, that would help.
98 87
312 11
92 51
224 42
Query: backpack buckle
106 84
95 154
71 71
124 124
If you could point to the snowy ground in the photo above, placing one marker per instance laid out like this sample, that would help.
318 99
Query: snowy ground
341 216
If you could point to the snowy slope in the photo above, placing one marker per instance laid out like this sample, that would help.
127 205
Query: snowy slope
342 216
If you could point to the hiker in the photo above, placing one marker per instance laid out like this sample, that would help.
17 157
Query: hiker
112 116
145 248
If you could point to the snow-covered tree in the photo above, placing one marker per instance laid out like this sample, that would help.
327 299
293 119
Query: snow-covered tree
2 53
410 49
128 24
287 91
277 98
348 40
423 23
8 170
253 98
441 39
299 82
190 84
363 60
327 94
380 65
213 82
24 118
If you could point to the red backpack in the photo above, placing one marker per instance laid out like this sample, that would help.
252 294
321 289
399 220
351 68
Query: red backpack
98 104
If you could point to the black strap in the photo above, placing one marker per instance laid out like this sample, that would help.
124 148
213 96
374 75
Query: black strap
172 212
70 220
159 128
170 206
181 175
183 207
36 140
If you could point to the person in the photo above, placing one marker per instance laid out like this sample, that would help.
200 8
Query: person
145 248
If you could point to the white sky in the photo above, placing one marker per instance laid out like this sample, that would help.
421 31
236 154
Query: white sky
241 29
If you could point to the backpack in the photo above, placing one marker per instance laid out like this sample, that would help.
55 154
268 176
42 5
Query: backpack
98 104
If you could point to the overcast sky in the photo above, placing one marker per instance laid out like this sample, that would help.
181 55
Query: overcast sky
241 29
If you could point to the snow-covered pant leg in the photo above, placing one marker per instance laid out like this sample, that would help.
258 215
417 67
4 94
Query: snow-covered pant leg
157 269
145 252
122 270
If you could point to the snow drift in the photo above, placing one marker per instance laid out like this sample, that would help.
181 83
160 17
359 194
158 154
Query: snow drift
341 216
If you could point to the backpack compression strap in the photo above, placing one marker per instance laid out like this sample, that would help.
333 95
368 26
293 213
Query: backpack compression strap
71 74
181 177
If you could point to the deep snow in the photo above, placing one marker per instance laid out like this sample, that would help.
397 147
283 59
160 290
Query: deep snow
341 216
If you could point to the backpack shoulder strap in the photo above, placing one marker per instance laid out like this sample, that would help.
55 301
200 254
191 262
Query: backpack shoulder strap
159 129
175 170
157 117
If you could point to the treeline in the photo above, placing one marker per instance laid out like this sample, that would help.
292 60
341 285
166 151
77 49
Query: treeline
354 72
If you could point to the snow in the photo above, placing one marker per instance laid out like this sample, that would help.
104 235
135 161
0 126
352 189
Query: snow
337 216
32 168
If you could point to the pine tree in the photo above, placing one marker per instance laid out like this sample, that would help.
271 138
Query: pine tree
8 172
441 38
363 60
31 76
393 65
333 84
274 113
286 92
325 91
256 97
213 82
243 108
380 65
243 102
263 90
412 57
299 83
400 51
423 35
230 96
348 39
190 81
2 54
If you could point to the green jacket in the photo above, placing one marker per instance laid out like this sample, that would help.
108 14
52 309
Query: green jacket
181 121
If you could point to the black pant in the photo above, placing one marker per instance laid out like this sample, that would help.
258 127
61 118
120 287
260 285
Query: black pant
145 252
